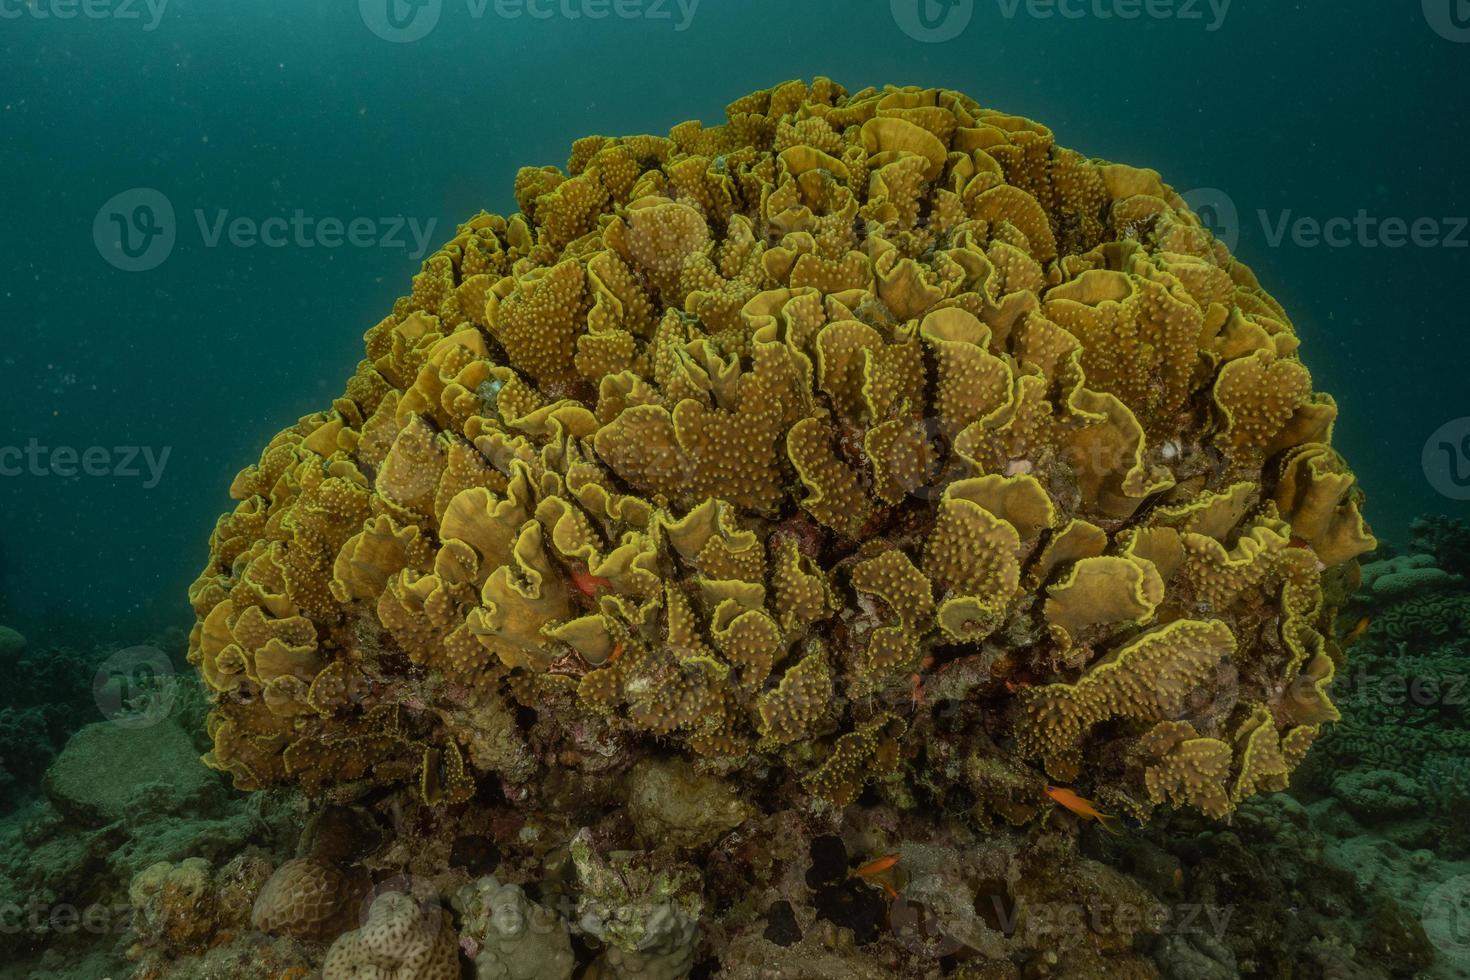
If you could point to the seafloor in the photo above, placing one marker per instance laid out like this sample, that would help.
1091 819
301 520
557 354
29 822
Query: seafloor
123 856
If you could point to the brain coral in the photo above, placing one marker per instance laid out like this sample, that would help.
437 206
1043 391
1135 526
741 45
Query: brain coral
400 939
301 899
858 432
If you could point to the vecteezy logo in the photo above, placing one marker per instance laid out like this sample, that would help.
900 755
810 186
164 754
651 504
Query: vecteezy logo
135 687
1446 919
933 21
135 230
1217 212
1446 459
1449 18
401 21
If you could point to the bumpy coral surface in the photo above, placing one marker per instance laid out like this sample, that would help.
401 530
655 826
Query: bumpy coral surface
400 940
874 436
301 899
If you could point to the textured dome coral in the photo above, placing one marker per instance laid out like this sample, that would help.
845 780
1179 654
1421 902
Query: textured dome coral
868 440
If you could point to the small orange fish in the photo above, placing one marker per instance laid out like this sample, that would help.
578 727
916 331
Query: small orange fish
589 583
917 678
1359 628
876 867
617 651
1085 809
1178 878
872 869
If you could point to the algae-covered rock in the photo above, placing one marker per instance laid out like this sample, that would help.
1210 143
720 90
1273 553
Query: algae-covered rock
667 952
646 911
175 903
11 642
105 765
517 939
1197 956
670 803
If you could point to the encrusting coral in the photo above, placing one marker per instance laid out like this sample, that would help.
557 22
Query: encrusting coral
871 438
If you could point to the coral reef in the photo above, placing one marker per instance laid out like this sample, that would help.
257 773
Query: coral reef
647 914
116 861
48 697
728 435
514 938
1447 539
304 898
1397 760
1411 575
175 904
159 755
768 498
194 919
1276 894
401 940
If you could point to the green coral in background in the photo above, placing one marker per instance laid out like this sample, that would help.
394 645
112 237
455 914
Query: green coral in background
1400 757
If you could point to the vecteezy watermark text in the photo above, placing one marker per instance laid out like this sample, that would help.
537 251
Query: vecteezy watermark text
41 918
1446 919
1210 13
936 21
135 687
406 21
1450 19
148 12
1363 229
1446 459
1360 686
136 231
69 462
1051 919
299 230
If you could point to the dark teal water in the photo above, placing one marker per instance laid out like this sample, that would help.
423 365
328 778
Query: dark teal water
264 109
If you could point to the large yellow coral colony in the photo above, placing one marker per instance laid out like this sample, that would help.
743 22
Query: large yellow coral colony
875 435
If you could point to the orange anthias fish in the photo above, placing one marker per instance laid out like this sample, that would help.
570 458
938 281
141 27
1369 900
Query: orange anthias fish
1084 808
874 868
1359 628
588 583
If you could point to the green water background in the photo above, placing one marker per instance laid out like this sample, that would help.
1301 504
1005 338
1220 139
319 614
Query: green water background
267 108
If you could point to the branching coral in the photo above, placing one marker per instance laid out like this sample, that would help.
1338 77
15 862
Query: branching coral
759 441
